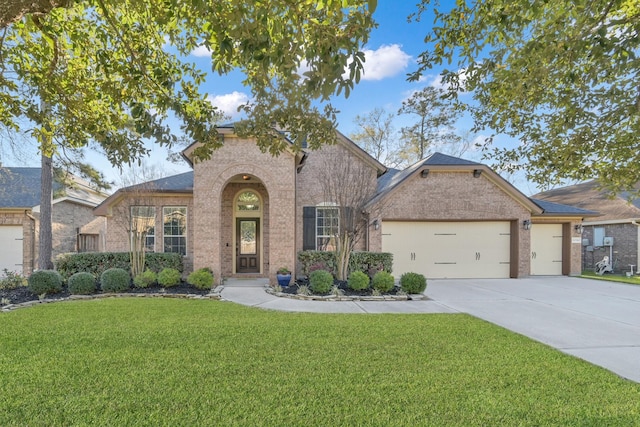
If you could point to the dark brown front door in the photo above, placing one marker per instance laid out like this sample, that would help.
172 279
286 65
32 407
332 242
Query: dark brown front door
247 245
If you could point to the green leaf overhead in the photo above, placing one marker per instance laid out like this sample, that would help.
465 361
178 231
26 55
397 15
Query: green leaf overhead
96 72
561 76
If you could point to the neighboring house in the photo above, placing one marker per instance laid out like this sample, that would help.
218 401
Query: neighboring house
247 213
74 227
615 233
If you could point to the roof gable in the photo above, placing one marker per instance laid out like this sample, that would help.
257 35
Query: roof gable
442 162
178 184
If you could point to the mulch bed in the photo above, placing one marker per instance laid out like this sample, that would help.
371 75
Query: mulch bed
22 294
341 284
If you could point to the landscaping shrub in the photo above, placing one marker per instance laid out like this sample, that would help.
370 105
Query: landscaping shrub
201 279
320 281
45 282
317 260
169 277
12 280
97 262
371 262
358 281
115 280
145 279
82 284
413 283
382 281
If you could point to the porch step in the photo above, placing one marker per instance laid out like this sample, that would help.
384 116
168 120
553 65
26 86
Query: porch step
246 281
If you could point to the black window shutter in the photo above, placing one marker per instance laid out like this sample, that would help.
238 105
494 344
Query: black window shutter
308 228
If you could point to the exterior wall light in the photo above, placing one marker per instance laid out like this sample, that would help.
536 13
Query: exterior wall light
477 173
376 224
424 173
578 228
526 224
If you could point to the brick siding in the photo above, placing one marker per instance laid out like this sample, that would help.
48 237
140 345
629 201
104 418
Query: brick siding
625 246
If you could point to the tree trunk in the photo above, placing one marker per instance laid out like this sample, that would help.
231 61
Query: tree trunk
45 261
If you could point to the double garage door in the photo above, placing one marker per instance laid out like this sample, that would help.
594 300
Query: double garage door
449 249
10 248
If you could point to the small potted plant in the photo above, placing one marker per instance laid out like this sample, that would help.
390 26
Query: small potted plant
284 276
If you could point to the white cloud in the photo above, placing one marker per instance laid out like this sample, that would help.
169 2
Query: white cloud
436 81
386 61
201 50
228 103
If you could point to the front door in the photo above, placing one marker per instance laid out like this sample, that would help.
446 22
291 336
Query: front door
247 245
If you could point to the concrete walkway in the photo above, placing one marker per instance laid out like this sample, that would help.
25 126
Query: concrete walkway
594 320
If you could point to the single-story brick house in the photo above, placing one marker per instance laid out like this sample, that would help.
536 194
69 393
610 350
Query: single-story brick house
74 227
615 233
247 213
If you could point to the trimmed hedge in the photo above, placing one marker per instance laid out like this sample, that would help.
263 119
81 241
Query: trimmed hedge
367 262
145 279
169 277
371 262
115 280
317 260
358 281
201 279
97 262
45 282
82 284
320 281
383 281
413 283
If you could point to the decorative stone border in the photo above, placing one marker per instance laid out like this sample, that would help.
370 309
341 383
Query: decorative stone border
406 297
214 294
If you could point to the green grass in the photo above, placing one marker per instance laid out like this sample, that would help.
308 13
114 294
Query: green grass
194 363
634 280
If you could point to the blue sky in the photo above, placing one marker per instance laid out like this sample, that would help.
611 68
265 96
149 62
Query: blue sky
390 55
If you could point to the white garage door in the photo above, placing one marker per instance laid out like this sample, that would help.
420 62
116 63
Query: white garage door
546 249
10 248
449 249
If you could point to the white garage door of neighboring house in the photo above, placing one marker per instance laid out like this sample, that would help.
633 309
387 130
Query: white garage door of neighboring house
449 249
546 249
10 248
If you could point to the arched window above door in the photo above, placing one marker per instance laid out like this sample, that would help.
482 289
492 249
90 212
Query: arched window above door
248 201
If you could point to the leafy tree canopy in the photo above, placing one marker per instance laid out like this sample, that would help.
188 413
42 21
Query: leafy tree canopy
562 76
97 72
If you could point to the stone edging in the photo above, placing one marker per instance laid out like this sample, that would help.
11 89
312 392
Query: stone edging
332 298
214 294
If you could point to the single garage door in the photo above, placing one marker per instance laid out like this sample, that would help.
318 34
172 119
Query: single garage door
449 249
10 248
546 249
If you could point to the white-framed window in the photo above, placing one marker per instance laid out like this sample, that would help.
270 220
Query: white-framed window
143 220
174 219
598 236
327 227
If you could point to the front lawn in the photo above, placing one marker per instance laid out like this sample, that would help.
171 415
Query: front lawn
193 363
633 280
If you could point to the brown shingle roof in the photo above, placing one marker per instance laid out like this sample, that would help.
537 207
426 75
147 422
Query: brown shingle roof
588 195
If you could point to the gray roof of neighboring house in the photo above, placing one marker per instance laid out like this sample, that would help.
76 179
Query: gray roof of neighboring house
588 195
181 183
20 187
551 208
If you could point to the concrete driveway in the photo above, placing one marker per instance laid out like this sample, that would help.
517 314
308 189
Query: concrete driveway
594 320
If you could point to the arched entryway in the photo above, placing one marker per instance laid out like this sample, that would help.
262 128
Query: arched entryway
245 227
